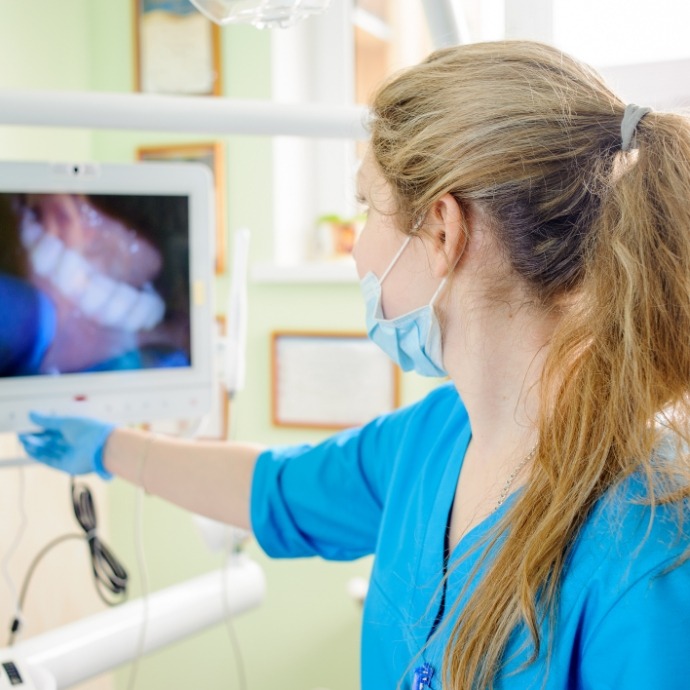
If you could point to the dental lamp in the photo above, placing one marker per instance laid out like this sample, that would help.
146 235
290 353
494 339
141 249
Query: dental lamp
264 14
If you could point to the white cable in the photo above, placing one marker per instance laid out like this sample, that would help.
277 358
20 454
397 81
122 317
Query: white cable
141 565
227 619
23 521
231 553
192 432
234 366
141 557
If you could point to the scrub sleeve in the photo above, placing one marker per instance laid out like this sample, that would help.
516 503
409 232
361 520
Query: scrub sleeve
324 500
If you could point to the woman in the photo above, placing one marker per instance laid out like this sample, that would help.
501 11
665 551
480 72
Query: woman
529 235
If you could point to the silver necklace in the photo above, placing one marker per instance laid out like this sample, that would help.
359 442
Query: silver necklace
512 477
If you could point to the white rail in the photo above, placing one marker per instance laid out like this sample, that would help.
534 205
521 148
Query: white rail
207 115
93 645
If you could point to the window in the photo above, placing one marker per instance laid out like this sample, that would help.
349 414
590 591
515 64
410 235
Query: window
338 57
620 32
388 35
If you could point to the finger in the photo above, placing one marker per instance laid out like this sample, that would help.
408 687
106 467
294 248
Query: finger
47 421
47 436
43 447
32 441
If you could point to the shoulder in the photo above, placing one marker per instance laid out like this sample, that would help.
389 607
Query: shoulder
433 422
635 532
388 441
411 432
627 580
439 407
633 513
633 610
628 547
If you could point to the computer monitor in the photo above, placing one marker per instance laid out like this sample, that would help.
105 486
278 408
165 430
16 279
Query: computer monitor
105 291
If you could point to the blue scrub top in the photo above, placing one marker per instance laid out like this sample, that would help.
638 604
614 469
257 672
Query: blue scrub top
622 623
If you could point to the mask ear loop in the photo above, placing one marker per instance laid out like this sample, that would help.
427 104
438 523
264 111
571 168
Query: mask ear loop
438 291
395 259
445 280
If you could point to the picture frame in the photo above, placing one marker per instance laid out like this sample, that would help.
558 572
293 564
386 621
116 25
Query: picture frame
176 49
211 154
330 380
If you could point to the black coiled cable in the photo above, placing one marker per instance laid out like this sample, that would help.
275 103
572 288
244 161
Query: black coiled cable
108 572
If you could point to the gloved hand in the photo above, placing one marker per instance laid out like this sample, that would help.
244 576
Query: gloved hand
71 444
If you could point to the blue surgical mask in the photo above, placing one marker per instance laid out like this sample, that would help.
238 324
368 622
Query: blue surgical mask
412 340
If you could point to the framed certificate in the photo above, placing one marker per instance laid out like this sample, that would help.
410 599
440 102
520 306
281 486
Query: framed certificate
177 49
330 380
211 154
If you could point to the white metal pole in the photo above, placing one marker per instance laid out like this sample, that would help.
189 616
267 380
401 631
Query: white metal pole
91 110
443 24
530 19
93 645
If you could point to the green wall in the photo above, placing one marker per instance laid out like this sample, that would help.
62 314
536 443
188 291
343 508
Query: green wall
36 54
306 634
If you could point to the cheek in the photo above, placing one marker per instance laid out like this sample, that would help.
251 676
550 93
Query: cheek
361 253
377 245
117 250
139 261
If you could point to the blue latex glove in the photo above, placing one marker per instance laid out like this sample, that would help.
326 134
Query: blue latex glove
71 444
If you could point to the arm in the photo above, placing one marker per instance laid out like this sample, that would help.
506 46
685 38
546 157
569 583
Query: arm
212 478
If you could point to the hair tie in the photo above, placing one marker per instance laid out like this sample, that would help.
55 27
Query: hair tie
631 118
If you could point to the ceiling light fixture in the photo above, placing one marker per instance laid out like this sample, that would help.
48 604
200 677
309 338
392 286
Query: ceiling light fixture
264 14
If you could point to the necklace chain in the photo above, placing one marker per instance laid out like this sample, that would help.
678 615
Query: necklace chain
512 477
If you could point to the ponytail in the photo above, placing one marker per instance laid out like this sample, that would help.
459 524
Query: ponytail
632 329
616 388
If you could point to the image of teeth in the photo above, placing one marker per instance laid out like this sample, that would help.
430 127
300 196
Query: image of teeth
100 290
72 273
31 230
46 254
146 313
118 306
156 313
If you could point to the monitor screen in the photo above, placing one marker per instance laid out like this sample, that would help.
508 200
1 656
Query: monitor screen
104 290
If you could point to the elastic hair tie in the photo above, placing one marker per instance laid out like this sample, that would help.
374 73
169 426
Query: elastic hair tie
631 118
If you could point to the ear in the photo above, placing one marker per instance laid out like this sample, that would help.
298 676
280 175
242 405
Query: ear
447 226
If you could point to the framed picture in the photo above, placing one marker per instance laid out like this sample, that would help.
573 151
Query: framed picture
211 154
177 49
330 380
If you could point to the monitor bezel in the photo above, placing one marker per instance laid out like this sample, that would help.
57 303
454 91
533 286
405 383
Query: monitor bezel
143 395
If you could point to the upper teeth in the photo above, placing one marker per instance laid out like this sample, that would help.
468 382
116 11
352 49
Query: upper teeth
108 302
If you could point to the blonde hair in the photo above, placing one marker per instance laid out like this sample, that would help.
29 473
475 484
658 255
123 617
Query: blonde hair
534 138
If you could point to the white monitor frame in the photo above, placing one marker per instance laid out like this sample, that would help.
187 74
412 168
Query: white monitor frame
134 396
